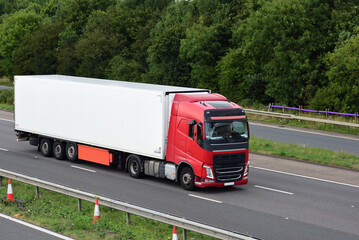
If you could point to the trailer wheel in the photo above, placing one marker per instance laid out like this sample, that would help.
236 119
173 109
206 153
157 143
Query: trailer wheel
187 178
46 147
59 150
134 166
71 151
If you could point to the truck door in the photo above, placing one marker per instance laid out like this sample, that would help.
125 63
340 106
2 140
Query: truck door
194 141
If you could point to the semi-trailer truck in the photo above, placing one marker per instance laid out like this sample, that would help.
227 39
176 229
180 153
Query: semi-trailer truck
187 135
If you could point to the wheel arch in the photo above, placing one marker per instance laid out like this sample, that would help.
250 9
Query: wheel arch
140 158
182 165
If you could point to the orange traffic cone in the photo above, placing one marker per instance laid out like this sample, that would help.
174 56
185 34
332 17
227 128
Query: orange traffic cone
10 195
96 215
174 235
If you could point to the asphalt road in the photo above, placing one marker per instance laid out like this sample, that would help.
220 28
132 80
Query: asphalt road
5 87
14 229
325 140
272 206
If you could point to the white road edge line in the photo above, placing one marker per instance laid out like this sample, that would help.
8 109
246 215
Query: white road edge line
204 198
3 149
35 227
303 131
7 120
274 190
303 176
81 168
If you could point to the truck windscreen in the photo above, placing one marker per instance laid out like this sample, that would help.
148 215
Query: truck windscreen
230 131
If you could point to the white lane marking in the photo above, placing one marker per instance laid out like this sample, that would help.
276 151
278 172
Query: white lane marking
204 198
303 176
274 190
304 131
3 149
35 227
81 168
6 120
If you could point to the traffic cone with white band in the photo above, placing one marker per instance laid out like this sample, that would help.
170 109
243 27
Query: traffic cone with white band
174 235
10 194
96 215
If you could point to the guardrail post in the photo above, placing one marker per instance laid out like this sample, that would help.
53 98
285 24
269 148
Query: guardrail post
269 107
37 192
283 108
128 220
79 204
356 117
0 181
184 234
326 113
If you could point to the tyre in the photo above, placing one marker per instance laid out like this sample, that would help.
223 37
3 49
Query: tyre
134 166
59 150
71 151
187 179
46 147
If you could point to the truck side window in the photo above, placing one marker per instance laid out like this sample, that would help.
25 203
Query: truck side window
191 131
199 133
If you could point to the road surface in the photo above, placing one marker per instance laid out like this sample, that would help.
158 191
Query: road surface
274 205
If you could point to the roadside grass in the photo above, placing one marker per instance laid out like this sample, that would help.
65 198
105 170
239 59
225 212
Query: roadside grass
315 155
59 213
7 99
6 107
6 82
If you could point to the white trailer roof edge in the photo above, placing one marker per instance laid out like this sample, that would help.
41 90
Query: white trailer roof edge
165 89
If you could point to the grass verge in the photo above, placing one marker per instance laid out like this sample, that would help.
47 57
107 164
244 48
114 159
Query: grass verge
315 155
59 213
6 82
6 107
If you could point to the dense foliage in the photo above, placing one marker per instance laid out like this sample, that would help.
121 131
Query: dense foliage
293 52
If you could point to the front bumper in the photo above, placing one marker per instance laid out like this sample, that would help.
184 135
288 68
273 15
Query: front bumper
201 184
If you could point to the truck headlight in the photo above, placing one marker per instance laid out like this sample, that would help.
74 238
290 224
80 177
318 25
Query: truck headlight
209 172
246 171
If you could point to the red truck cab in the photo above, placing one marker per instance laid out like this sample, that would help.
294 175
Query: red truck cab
208 140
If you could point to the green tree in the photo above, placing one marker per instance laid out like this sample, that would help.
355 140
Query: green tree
13 29
99 44
75 13
342 92
285 40
238 80
65 55
164 64
202 48
134 24
37 52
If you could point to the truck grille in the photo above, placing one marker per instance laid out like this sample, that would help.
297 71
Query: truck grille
229 167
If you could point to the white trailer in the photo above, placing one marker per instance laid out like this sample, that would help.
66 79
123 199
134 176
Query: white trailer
122 116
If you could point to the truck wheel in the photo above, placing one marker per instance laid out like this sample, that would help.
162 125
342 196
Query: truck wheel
134 166
59 150
187 178
46 147
71 151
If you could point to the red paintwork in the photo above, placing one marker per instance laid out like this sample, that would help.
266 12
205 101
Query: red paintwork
199 97
181 148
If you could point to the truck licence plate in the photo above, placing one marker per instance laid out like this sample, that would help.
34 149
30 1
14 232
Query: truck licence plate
229 184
